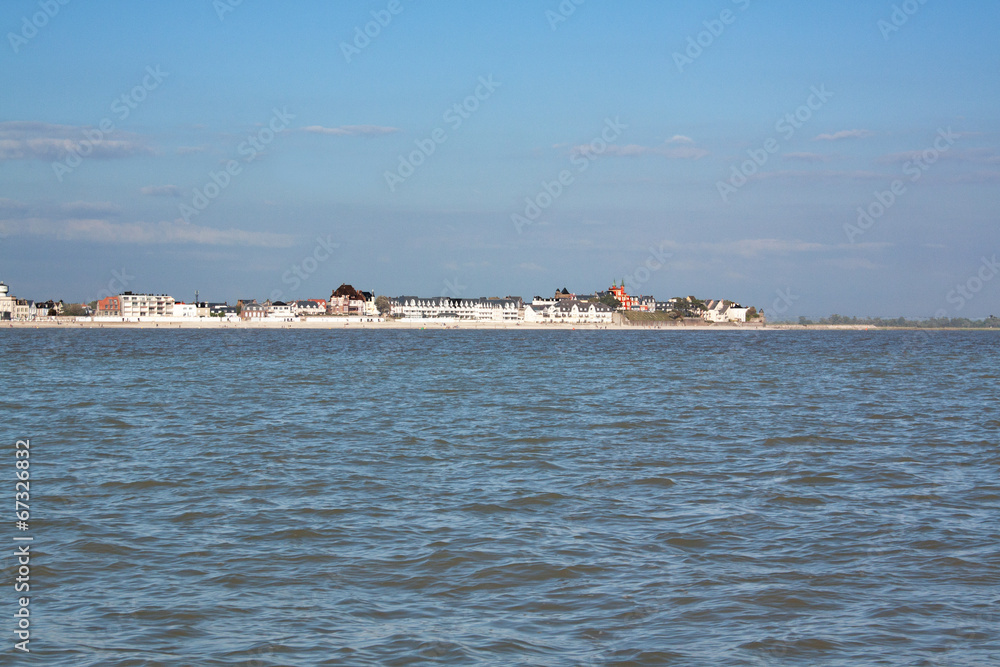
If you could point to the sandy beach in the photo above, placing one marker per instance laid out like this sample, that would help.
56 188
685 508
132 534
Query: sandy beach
315 323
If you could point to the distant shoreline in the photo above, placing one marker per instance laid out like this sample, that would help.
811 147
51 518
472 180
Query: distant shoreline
448 325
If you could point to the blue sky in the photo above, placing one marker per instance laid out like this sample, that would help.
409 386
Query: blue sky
836 100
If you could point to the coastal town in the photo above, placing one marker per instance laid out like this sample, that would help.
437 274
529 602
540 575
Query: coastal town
347 304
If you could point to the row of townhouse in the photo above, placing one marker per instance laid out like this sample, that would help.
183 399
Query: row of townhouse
507 309
627 301
713 310
12 308
568 311
345 300
252 310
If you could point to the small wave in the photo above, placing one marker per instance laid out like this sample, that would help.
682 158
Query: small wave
541 500
142 484
797 500
483 508
655 481
685 542
815 479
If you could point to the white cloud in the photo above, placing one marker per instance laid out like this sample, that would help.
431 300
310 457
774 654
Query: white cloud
8 206
819 175
352 130
807 157
757 247
667 149
978 177
844 134
85 209
971 156
753 247
27 140
531 266
97 230
161 191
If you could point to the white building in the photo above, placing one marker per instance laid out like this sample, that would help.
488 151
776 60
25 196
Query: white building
488 310
569 312
280 310
7 303
146 305
737 313
720 310
185 310
370 309
308 307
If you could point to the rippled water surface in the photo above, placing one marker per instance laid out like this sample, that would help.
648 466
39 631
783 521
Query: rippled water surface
508 498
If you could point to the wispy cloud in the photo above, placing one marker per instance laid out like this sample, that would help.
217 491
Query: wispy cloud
971 156
807 157
844 134
756 247
352 130
11 206
819 175
531 266
87 209
97 230
676 148
978 178
161 191
27 140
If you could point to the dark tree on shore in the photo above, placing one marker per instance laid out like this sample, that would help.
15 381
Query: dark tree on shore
610 301
384 305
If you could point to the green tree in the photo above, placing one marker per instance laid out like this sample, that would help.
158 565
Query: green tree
610 301
688 306
74 310
384 305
